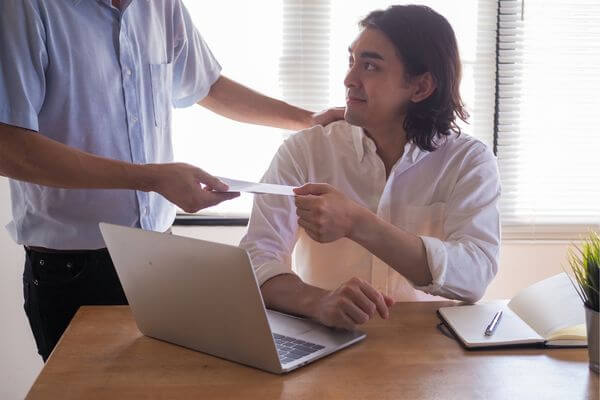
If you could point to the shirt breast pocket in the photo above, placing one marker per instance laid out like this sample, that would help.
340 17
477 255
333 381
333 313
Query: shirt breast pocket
421 220
162 82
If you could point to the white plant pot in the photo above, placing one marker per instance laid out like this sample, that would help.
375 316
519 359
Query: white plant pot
592 322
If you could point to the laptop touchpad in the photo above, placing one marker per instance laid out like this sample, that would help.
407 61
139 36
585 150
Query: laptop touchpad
288 325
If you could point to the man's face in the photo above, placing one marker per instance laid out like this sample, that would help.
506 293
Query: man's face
376 89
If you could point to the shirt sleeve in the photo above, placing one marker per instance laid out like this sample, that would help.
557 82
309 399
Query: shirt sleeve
463 265
273 226
195 69
23 61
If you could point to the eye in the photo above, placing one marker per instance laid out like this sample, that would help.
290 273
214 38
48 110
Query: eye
350 62
370 67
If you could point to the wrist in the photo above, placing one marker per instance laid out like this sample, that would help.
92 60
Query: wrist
361 219
146 177
304 120
312 302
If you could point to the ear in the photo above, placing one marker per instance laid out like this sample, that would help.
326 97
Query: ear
424 85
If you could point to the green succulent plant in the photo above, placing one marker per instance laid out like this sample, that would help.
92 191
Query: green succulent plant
585 265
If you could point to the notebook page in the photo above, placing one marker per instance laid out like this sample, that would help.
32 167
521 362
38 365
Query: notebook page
549 305
469 324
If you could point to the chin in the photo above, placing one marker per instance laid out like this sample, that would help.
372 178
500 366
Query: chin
353 118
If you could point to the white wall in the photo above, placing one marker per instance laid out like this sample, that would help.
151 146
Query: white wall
522 264
19 362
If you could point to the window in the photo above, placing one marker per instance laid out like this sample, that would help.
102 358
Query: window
548 100
540 119
245 37
296 50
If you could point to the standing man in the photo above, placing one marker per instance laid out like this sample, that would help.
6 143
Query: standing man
86 90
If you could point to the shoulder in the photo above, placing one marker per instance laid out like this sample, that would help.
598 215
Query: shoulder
320 137
466 148
19 9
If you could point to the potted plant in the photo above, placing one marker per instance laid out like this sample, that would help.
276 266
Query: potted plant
585 264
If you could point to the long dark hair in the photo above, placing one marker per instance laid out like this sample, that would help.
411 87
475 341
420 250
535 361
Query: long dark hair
425 42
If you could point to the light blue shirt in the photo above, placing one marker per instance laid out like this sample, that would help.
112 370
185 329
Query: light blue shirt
88 75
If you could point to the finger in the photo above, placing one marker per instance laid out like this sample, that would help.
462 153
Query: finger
304 214
304 202
376 298
213 198
361 300
307 225
353 311
327 116
345 322
388 300
212 182
312 233
312 188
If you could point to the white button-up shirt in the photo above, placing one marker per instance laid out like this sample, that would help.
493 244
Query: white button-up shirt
104 81
448 197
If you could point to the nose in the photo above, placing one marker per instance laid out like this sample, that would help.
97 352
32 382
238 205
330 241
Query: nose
351 80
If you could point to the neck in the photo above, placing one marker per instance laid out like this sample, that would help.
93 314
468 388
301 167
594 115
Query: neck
390 142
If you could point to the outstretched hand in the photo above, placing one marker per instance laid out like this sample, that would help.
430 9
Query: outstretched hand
189 187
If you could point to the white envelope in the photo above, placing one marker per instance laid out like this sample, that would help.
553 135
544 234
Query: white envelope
257 188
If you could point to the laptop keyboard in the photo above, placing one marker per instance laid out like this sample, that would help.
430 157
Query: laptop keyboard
291 349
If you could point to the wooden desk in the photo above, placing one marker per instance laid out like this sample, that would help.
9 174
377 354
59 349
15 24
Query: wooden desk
103 355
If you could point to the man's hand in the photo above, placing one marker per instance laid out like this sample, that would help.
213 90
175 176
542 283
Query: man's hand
353 303
328 116
325 213
181 184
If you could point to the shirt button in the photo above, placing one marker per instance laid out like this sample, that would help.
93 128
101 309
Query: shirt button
147 210
133 120
128 72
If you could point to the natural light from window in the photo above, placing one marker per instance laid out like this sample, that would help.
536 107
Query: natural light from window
248 44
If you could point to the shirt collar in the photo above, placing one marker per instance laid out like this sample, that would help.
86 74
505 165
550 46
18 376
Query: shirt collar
126 3
363 144
357 137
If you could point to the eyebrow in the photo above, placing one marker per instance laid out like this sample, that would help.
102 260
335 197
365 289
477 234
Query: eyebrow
368 54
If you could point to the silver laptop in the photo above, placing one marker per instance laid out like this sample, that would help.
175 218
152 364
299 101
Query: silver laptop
205 296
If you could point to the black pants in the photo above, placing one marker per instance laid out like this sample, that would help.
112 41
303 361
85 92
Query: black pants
55 285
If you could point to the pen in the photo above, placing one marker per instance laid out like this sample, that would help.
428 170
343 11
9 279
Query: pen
489 331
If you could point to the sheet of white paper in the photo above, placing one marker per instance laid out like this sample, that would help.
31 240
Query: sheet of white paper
253 187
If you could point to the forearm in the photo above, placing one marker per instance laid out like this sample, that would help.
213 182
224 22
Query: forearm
403 251
287 293
232 100
31 157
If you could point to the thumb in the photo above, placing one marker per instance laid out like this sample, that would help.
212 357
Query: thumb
311 188
212 182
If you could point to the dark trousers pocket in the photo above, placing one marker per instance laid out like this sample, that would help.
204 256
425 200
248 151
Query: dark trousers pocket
56 285
35 322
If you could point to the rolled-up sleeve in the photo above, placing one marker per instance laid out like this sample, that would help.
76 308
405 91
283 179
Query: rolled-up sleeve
195 69
273 226
23 61
465 262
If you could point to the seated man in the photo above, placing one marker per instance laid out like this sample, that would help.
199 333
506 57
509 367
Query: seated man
409 210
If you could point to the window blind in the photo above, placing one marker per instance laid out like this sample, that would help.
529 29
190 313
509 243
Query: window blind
548 141
304 63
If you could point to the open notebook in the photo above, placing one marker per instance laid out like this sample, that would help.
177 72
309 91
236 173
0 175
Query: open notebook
549 312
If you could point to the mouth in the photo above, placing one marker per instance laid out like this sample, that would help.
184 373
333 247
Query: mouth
355 100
